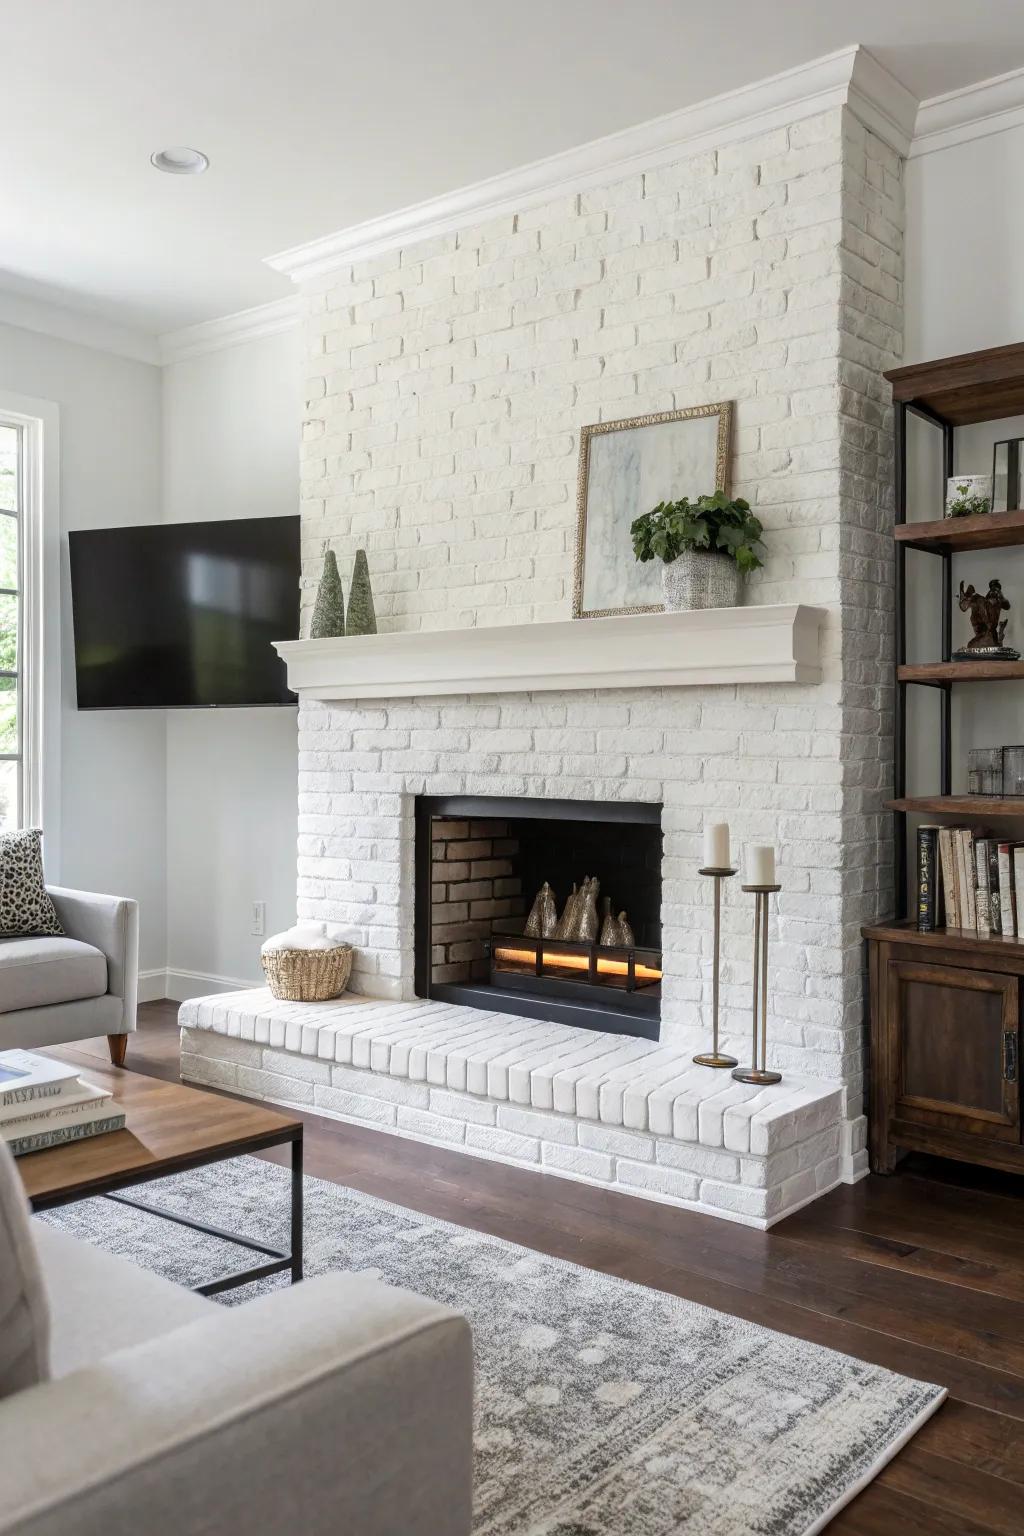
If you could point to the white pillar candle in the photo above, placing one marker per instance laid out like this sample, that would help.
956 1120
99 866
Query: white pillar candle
716 845
760 866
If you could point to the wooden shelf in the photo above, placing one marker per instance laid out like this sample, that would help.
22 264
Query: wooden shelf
975 386
947 938
960 805
961 672
992 530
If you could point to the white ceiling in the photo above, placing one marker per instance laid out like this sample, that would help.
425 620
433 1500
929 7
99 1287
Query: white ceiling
317 114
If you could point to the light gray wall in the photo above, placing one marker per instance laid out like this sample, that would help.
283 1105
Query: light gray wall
231 432
113 767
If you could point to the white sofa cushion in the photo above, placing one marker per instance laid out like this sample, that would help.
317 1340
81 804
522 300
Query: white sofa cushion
24 1314
36 973
99 1303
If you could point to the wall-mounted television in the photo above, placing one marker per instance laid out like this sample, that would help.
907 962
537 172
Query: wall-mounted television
178 615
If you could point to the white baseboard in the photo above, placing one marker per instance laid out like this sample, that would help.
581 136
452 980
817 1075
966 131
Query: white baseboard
179 986
182 985
152 986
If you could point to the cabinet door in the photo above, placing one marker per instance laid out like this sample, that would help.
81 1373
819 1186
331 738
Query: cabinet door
956 1036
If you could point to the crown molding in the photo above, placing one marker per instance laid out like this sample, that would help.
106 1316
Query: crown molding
881 102
77 326
229 330
848 77
973 112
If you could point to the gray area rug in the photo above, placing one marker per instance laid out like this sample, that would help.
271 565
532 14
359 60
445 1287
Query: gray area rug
603 1408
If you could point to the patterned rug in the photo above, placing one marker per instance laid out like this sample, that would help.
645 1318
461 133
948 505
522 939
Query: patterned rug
603 1408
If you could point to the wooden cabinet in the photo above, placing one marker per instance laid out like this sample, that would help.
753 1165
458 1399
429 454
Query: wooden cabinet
945 1046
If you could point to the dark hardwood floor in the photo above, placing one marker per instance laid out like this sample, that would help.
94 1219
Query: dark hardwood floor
922 1272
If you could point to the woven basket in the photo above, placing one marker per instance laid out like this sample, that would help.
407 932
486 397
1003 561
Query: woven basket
308 975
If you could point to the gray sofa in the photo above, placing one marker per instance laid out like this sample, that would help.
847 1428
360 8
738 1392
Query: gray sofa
72 988
129 1404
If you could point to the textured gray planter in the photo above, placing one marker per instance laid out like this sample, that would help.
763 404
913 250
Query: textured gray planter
696 579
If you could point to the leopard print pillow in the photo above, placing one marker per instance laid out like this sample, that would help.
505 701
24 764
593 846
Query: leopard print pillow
25 905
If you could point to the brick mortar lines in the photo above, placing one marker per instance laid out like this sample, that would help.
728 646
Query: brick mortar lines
448 450
741 1185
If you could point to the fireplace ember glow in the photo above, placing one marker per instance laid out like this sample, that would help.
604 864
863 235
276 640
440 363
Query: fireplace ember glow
611 967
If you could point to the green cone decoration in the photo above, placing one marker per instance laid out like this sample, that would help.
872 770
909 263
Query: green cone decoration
361 618
329 610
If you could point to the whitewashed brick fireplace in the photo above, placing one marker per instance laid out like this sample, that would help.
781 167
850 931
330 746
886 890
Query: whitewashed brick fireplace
449 374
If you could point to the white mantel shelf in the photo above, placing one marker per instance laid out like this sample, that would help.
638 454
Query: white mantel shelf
771 643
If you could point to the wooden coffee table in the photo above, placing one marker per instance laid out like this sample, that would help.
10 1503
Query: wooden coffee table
168 1129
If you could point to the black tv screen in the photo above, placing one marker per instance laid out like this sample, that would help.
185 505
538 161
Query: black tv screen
184 614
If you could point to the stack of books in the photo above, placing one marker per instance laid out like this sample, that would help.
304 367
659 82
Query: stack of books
44 1103
968 879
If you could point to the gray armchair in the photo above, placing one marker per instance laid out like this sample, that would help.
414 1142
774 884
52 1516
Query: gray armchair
54 990
130 1404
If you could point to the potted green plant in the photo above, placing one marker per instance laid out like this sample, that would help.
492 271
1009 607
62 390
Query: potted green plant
707 547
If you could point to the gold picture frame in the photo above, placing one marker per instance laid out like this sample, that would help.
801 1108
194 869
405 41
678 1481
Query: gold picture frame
627 489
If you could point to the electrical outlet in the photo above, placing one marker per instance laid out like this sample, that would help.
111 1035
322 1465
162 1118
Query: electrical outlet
259 919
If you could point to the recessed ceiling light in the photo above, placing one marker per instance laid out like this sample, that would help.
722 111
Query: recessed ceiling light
180 161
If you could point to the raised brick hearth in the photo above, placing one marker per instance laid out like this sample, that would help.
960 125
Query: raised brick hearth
610 1111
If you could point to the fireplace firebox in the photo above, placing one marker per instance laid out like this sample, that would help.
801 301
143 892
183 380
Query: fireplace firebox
480 861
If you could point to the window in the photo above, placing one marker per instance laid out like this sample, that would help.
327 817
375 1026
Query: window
12 794
30 692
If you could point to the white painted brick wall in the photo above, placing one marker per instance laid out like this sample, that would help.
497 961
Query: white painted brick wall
447 384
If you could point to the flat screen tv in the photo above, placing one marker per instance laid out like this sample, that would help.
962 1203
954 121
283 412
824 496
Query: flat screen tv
184 614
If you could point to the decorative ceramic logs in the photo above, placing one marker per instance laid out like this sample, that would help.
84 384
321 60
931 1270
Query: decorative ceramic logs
587 925
566 922
543 918
548 912
532 928
580 922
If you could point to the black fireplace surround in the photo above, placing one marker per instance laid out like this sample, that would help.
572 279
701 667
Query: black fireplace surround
481 859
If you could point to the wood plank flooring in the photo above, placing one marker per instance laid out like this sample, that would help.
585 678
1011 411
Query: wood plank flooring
922 1272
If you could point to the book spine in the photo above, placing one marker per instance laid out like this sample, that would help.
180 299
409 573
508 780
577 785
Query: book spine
982 903
12 1097
995 910
54 1108
948 866
962 876
967 842
93 1108
60 1135
927 878
1017 863
1006 901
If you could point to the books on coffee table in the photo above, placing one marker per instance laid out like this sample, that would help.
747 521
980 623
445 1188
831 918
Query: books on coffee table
44 1103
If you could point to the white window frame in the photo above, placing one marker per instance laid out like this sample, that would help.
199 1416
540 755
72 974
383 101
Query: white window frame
39 616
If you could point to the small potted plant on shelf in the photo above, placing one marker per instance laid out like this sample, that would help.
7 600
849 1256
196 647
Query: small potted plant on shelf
707 547
968 495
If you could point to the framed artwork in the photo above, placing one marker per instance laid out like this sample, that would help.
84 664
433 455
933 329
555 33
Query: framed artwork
626 468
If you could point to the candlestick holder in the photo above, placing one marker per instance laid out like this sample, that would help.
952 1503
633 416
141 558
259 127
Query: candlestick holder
715 1057
758 1071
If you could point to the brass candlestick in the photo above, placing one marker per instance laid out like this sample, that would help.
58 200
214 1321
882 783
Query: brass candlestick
758 1072
715 1057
